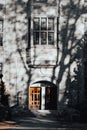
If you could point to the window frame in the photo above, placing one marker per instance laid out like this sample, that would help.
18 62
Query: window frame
54 31
1 32
39 1
1 66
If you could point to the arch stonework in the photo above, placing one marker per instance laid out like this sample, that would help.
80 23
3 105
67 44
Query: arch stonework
38 79
44 74
37 75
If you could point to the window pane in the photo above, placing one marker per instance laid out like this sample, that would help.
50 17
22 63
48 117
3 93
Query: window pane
1 26
29 32
1 39
43 37
51 23
36 38
40 0
29 24
1 31
51 38
0 68
36 23
43 24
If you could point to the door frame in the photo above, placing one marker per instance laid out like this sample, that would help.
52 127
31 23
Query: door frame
43 86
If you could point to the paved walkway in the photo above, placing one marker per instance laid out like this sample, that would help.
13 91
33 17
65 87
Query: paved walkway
39 123
7 124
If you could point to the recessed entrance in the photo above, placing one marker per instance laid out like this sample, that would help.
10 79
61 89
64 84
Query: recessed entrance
51 98
43 97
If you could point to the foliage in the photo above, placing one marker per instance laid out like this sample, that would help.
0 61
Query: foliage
4 106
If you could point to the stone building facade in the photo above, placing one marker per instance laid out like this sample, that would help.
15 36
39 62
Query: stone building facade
41 52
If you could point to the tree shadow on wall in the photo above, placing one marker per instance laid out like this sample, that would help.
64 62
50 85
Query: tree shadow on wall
68 42
71 48
19 9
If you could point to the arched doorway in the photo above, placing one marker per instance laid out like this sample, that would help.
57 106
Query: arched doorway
43 96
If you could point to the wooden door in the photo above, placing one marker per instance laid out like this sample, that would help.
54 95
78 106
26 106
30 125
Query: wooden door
35 98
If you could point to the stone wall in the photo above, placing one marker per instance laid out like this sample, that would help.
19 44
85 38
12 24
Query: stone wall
66 69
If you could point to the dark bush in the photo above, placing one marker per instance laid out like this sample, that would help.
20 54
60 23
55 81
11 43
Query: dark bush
5 112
